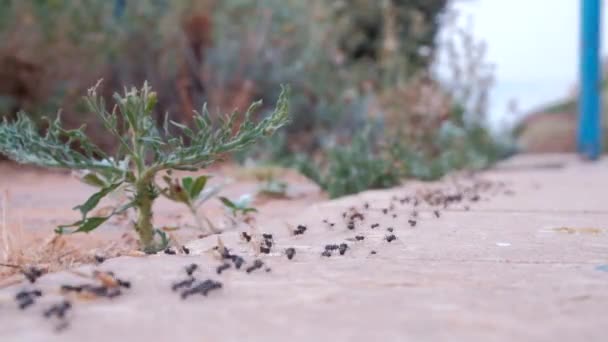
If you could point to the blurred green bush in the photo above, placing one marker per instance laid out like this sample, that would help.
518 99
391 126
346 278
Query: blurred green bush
351 64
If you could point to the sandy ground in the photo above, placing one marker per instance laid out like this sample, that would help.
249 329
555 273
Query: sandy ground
525 262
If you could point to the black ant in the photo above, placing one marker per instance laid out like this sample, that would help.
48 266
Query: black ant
351 225
375 225
202 288
99 259
238 261
186 250
436 212
123 283
390 238
257 264
357 215
183 284
26 298
412 223
222 268
299 230
58 310
331 247
267 236
246 236
394 215
372 252
290 252
366 205
359 237
191 268
343 247
326 253
32 273
264 249
169 251
390 229
384 211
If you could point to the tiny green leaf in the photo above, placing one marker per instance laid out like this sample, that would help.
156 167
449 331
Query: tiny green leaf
228 203
187 183
198 186
92 202
93 180
85 225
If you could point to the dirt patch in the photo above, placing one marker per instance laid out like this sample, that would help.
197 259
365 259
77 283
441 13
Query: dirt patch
34 201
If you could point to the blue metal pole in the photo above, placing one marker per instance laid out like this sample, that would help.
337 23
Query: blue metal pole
589 130
119 8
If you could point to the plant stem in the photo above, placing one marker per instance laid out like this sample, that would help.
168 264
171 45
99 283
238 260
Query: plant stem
145 197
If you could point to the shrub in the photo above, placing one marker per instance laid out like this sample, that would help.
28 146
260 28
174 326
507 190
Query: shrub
144 151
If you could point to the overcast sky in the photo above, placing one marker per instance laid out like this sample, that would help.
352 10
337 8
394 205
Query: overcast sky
534 44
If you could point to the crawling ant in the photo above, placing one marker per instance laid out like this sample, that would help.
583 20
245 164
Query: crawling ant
290 252
32 273
299 230
412 223
326 253
187 283
268 270
26 298
222 268
99 259
331 247
359 237
58 310
169 251
390 229
343 247
436 213
191 268
264 249
372 252
390 238
267 236
202 288
357 215
186 250
124 283
384 211
257 264
351 225
246 236
238 261
375 225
